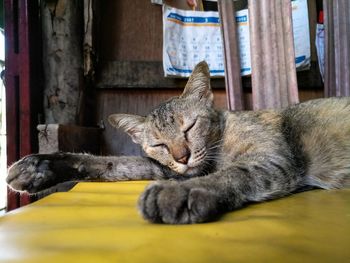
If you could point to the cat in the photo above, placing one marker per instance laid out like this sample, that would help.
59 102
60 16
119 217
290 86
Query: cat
214 161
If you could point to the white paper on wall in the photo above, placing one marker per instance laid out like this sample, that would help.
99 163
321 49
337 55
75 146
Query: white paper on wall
192 36
319 41
301 34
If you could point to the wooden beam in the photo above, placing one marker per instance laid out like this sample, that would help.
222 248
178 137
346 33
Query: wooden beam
149 74
139 74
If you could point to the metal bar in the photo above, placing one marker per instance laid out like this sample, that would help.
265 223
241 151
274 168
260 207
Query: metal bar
231 55
272 51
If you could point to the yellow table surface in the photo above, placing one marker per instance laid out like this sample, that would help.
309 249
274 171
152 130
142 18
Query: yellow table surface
98 222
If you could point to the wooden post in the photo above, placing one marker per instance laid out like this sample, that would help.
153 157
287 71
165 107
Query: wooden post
63 23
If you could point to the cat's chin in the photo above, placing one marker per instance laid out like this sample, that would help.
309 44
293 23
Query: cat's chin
190 171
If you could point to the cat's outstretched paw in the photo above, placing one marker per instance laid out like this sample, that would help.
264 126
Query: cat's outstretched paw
32 174
174 203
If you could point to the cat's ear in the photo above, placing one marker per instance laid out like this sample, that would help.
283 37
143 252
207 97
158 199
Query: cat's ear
198 85
133 125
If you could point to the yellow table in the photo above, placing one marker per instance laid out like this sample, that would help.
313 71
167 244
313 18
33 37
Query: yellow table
98 222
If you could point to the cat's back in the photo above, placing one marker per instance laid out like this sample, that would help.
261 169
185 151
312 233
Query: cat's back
320 130
320 109
321 116
316 134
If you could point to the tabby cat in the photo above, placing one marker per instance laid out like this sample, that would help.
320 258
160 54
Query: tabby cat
217 161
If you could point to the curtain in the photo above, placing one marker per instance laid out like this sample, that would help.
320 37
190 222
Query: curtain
231 55
274 82
337 47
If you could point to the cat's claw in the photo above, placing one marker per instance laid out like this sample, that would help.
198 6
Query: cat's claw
31 174
174 203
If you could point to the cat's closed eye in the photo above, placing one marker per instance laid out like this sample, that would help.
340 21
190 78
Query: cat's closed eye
189 128
161 145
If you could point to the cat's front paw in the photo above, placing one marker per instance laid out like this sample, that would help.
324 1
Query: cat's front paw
31 174
174 203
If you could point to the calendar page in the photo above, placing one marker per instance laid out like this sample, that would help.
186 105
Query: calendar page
191 37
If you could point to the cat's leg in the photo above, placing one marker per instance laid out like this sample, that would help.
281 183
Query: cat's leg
38 172
202 199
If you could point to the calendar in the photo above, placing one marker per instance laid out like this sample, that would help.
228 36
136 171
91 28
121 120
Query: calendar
193 36
190 37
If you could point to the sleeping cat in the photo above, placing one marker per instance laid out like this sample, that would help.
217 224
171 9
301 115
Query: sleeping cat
217 161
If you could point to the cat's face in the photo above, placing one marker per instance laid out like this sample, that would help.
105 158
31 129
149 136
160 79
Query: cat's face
182 132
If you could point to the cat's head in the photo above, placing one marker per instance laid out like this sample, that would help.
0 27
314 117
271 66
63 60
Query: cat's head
181 133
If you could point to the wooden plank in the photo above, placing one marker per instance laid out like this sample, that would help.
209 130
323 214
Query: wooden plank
149 74
312 10
130 30
139 74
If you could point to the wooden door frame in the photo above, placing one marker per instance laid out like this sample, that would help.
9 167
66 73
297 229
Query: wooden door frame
23 73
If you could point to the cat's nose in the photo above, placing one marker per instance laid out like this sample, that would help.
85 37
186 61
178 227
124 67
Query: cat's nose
184 157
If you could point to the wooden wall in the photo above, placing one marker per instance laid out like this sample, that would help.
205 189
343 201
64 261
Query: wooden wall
130 31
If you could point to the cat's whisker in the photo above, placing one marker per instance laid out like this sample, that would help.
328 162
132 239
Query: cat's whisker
212 156
212 160
215 146
217 142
